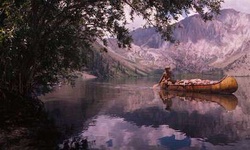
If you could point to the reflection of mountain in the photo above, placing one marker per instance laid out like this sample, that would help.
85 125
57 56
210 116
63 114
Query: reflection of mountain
115 133
203 117
130 114
125 135
195 125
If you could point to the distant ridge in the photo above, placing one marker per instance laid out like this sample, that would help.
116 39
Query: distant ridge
203 46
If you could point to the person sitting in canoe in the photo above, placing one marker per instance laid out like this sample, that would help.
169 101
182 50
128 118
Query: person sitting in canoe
166 77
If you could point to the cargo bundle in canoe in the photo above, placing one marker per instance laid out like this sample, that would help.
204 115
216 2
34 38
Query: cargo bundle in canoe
227 85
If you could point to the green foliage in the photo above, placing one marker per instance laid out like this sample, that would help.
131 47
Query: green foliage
41 40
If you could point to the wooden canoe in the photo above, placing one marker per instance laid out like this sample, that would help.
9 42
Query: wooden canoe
227 85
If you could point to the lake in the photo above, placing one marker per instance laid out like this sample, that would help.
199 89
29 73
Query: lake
129 114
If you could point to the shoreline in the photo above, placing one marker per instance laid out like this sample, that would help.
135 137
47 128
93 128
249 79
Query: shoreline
85 75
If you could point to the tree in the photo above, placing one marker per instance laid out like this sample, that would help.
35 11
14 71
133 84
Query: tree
42 41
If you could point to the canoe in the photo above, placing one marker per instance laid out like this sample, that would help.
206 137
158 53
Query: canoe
227 85
227 101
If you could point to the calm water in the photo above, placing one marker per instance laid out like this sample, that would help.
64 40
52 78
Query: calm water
129 114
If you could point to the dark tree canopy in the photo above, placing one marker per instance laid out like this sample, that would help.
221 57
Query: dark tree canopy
41 41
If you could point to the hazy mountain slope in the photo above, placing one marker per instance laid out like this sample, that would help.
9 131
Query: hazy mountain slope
240 67
110 64
150 58
147 38
203 46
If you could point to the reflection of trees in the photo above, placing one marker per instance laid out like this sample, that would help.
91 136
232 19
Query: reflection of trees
82 102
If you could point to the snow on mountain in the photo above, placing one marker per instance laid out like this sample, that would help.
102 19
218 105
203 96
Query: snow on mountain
221 43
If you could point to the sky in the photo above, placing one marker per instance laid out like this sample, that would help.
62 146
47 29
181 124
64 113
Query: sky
238 5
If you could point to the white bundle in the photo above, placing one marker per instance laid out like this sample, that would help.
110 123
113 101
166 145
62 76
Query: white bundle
195 82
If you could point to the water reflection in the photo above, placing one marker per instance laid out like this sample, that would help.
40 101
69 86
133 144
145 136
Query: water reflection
227 101
130 115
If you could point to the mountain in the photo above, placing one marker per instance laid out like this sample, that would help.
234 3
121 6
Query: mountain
220 44
111 64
